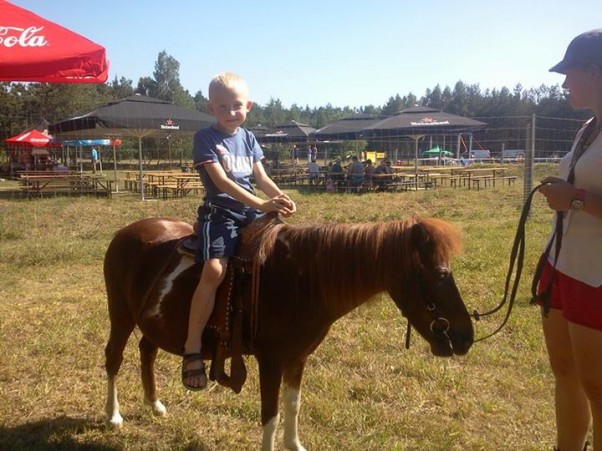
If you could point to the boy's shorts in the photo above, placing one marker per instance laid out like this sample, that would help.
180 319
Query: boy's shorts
580 303
218 230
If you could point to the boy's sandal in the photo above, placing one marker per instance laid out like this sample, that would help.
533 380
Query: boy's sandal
196 373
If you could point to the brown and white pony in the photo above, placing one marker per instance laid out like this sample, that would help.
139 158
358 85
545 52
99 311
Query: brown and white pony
311 276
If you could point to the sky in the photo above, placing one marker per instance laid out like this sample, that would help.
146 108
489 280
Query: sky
338 52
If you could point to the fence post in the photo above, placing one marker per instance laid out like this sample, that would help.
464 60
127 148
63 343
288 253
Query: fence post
529 159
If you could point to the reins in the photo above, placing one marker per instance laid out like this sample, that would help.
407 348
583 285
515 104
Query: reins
516 258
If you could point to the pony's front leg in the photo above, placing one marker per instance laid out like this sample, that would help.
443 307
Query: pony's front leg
270 378
148 355
292 405
112 405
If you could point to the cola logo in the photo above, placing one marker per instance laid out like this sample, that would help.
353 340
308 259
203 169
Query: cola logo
22 37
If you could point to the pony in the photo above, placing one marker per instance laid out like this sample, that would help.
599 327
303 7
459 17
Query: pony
310 276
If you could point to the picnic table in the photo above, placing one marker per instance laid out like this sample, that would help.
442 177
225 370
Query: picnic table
474 177
164 184
38 185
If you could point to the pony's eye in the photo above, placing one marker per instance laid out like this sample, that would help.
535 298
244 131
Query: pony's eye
441 273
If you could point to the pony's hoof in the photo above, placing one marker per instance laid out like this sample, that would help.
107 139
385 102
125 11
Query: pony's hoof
159 409
116 421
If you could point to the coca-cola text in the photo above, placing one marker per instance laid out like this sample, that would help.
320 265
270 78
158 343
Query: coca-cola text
23 37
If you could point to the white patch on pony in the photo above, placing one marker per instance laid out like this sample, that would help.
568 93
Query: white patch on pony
171 227
292 404
159 409
168 282
112 405
269 434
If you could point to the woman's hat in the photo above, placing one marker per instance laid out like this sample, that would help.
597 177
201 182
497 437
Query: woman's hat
585 49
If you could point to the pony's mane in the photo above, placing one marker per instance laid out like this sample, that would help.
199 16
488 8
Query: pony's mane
355 260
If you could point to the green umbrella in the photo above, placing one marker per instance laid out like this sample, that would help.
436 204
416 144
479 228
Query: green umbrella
436 151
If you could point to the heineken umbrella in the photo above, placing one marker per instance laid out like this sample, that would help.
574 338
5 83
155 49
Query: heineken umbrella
347 128
417 122
135 116
292 132
35 49
422 120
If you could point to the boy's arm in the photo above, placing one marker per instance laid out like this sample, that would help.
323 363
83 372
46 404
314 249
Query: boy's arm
223 183
267 185
264 182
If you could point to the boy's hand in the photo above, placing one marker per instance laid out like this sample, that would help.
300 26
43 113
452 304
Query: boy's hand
281 203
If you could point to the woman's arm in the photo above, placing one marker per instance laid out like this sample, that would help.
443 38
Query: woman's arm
559 193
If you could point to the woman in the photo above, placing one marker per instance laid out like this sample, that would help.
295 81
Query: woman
572 319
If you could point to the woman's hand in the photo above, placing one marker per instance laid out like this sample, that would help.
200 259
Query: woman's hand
558 192
281 203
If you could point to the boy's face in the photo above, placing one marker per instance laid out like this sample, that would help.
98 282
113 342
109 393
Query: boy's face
229 106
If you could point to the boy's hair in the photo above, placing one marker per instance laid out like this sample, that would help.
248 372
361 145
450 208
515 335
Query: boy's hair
228 80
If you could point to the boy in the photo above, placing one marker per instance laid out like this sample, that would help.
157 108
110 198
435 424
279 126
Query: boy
226 157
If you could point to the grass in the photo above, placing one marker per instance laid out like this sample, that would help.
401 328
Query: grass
362 389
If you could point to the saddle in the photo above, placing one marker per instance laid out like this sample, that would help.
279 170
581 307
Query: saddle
234 318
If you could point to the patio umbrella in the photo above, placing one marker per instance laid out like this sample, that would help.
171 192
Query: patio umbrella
35 49
137 116
347 128
437 151
420 120
292 132
29 143
417 122
32 138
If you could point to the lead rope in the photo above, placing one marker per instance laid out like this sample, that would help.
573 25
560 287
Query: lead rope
516 257
590 131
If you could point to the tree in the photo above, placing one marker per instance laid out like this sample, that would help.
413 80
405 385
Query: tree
122 88
394 105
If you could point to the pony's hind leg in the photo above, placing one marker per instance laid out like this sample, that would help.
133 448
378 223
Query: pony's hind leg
148 355
118 338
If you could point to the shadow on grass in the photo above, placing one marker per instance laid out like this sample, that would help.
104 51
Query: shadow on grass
56 434
64 433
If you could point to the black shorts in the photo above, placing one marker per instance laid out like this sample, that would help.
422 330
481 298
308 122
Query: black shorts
219 230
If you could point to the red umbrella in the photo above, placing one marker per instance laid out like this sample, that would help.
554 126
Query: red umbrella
35 49
32 138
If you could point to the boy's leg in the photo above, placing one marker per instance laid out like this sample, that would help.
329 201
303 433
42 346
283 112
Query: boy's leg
201 308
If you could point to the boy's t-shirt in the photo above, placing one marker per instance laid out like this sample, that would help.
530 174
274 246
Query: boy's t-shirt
236 153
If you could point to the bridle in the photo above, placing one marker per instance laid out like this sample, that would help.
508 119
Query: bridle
439 325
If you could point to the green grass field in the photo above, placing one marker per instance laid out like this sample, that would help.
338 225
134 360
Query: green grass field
362 389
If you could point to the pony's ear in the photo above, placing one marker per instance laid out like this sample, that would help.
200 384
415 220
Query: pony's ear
419 234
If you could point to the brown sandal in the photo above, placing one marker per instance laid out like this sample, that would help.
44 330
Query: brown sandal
189 374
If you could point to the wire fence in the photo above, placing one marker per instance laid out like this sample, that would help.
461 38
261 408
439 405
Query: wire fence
549 138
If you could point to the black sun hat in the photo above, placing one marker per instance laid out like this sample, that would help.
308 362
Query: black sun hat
585 49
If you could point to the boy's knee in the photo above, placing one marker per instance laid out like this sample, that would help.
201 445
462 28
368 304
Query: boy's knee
214 272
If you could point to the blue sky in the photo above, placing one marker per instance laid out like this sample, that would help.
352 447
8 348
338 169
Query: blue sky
339 52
